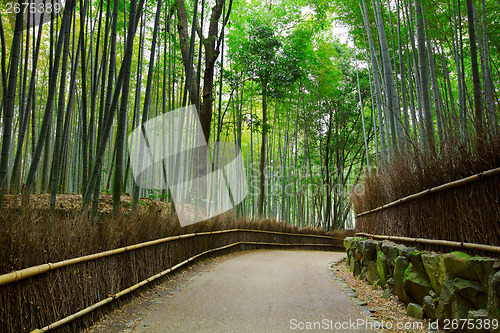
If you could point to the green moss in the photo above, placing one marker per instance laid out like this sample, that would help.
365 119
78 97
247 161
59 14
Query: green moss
461 254
408 269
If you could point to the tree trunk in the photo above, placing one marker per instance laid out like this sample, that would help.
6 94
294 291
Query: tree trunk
83 113
56 155
95 84
262 177
9 102
125 68
16 169
327 182
424 80
147 98
47 117
406 127
3 61
488 80
212 44
376 83
390 90
438 102
122 114
476 82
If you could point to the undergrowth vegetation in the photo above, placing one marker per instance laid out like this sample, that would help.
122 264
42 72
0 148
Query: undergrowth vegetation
30 237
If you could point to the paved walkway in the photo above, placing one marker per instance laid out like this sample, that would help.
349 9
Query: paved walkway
260 291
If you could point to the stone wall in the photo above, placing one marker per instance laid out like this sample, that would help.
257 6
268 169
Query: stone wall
451 288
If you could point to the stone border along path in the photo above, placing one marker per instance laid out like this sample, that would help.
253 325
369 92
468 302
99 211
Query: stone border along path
359 303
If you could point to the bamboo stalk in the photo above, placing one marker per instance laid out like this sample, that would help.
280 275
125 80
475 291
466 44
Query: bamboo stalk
440 188
40 269
470 246
111 298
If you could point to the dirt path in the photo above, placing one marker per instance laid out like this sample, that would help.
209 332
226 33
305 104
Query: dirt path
258 291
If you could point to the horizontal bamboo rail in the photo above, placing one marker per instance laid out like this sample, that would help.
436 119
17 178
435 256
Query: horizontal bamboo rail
111 298
40 269
469 246
453 184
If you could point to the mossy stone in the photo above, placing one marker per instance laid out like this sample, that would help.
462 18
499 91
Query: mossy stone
368 249
459 264
416 284
472 292
494 296
435 270
415 310
371 272
443 309
355 266
429 305
451 305
347 243
416 261
351 260
390 284
357 254
400 265
484 268
354 241
407 251
460 309
359 245
391 252
382 268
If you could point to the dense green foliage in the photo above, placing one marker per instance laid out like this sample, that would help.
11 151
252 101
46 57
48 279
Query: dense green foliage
309 111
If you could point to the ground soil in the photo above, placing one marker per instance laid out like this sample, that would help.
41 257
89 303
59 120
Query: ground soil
72 202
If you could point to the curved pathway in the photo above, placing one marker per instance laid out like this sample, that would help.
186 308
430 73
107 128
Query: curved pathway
259 291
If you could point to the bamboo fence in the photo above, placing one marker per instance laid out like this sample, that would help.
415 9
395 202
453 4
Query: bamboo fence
36 270
30 282
464 211
435 242
440 188
111 298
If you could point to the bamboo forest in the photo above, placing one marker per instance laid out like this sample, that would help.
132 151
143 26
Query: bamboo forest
314 93
150 133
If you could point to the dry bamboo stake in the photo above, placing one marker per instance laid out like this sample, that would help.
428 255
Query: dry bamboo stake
37 270
111 298
470 246
453 184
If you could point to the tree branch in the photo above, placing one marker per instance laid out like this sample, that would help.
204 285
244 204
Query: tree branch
219 40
